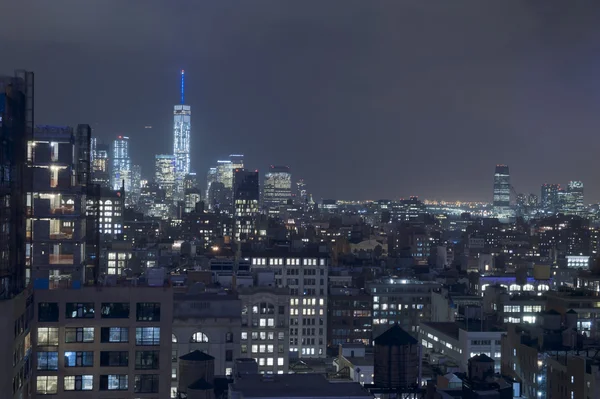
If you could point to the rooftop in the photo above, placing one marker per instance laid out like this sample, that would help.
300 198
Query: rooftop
197 356
452 329
296 386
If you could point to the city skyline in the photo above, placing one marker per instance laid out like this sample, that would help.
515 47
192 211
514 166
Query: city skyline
506 81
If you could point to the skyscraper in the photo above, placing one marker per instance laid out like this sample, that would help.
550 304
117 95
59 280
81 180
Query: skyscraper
501 189
99 161
574 204
277 188
211 177
121 168
181 138
549 196
245 200
164 173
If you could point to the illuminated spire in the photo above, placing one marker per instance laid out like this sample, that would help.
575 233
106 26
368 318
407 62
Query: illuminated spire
182 86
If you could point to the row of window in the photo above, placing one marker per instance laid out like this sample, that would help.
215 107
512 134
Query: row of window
144 360
288 261
145 311
143 383
263 335
48 336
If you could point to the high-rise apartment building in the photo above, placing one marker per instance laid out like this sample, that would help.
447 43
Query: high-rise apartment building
277 188
165 173
121 164
182 126
100 163
16 299
136 185
59 166
501 189
245 200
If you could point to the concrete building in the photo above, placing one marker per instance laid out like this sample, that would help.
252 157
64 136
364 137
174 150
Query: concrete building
208 322
460 341
104 341
265 327
305 274
403 301
354 363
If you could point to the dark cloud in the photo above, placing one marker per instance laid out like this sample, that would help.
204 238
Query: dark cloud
364 99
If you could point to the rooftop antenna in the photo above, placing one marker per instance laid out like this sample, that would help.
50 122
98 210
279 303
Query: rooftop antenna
182 86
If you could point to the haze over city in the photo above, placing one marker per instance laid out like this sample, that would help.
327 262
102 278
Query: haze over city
363 99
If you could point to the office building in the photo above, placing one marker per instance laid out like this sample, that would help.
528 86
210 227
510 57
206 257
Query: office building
133 196
502 190
165 167
191 198
105 341
100 163
59 166
277 189
349 316
265 327
301 192
211 177
305 274
245 199
16 297
402 301
121 164
549 197
182 126
191 181
574 204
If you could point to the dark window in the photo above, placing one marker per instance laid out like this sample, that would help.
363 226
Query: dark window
47 360
228 355
146 383
48 311
79 359
114 382
114 359
115 310
146 360
229 337
174 356
80 310
281 309
148 311
79 334
114 334
149 336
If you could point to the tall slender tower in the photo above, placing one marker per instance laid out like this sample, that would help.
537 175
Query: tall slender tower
181 138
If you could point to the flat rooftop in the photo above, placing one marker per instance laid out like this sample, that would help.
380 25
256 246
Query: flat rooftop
296 386
451 329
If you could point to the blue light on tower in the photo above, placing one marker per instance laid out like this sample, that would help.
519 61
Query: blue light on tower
182 86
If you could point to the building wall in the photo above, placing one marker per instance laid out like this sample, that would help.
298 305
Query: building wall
306 277
218 319
16 317
268 344
137 341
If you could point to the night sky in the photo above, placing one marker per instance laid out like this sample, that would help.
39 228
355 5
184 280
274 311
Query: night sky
364 99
